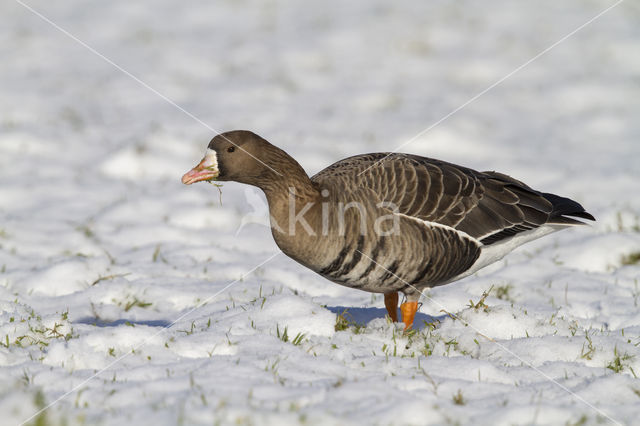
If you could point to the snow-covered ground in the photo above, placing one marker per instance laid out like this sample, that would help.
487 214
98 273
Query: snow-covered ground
129 298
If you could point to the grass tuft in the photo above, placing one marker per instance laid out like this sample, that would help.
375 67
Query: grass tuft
502 292
298 339
630 259
108 277
620 362
284 336
343 323
481 304
580 422
587 348
458 399
40 403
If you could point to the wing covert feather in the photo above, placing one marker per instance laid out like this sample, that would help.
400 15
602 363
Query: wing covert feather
488 206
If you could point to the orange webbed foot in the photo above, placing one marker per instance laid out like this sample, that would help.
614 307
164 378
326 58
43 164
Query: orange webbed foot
408 310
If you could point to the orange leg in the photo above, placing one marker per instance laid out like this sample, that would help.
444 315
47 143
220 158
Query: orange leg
391 303
408 310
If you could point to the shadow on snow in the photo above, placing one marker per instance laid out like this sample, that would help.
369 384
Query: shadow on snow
365 315
103 323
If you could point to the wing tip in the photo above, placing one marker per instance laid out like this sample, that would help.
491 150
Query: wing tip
565 210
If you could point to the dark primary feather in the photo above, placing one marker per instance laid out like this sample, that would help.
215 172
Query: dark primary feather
488 206
565 207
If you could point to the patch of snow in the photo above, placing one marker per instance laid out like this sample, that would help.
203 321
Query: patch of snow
138 295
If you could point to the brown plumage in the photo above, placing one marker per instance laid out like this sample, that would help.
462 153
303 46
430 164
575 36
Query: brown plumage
388 222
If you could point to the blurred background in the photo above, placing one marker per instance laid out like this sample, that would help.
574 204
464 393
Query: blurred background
327 81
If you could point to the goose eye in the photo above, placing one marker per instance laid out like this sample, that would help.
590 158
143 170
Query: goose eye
231 149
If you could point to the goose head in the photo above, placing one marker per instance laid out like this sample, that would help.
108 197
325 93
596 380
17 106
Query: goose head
239 155
242 156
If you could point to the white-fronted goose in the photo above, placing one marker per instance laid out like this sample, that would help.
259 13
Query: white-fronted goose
387 222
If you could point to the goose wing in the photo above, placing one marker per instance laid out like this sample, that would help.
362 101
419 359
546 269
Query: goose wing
487 206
